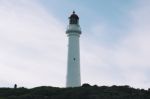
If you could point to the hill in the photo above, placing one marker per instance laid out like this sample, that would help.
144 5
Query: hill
84 92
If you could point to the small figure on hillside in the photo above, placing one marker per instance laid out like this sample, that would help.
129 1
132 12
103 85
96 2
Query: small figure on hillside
15 86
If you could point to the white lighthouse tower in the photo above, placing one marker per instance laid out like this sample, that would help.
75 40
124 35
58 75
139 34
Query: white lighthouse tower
73 66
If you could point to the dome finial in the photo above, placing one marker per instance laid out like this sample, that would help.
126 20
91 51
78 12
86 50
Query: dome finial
73 12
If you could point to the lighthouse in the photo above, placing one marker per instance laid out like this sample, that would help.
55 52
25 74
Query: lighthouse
73 63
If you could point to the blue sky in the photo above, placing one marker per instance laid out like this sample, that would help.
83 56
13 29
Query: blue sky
114 43
113 14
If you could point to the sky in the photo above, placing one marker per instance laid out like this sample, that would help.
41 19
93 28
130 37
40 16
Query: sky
114 44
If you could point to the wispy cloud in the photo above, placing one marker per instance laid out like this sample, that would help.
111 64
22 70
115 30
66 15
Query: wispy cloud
32 45
33 48
126 61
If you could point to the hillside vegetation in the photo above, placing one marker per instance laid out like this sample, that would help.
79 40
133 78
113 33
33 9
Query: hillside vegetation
84 92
